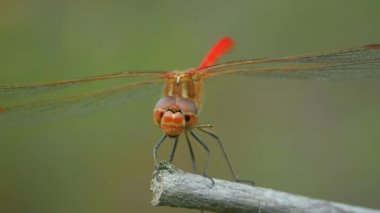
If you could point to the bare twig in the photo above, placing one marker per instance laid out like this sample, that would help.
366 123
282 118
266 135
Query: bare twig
173 187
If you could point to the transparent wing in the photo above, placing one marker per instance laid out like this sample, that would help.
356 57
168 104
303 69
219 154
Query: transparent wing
18 90
74 105
357 63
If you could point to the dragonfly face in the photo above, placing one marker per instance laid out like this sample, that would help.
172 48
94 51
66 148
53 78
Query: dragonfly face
175 114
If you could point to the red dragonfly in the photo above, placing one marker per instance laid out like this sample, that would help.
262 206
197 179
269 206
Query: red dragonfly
177 112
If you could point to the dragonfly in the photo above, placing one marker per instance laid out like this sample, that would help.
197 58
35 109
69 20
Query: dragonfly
176 113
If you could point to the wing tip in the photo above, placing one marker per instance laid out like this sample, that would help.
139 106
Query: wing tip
372 46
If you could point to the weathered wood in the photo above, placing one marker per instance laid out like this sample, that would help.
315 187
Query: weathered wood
173 187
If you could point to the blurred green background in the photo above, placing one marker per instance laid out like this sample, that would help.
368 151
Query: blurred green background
318 139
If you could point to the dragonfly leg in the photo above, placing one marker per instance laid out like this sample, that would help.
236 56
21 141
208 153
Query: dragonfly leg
208 156
192 156
216 137
173 149
156 147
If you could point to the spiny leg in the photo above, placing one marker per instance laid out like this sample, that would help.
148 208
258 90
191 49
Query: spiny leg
216 137
192 156
156 147
208 156
173 149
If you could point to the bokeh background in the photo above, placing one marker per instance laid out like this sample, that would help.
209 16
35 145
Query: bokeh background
318 139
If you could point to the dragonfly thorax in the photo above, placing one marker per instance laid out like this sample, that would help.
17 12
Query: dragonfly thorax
187 84
175 114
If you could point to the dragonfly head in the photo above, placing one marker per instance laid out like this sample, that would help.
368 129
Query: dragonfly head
175 114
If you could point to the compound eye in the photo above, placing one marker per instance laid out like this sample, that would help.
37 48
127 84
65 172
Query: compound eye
187 106
157 116
190 119
165 102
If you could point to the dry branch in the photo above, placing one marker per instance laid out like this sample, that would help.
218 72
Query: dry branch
175 188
